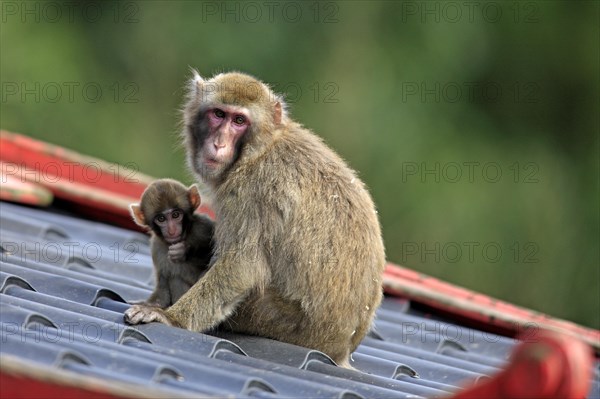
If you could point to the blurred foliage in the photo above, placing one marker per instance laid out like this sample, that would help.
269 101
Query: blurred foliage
397 88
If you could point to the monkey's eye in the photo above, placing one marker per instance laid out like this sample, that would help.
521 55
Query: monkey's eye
239 120
160 219
219 113
175 214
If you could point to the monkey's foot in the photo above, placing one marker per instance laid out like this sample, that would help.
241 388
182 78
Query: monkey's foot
141 314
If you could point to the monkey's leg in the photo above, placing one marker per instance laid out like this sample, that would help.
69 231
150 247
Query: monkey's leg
265 315
270 316
178 287
161 296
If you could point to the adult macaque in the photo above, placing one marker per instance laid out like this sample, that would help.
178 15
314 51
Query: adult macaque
181 241
298 252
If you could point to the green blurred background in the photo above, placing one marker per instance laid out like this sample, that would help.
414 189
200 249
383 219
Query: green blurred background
475 124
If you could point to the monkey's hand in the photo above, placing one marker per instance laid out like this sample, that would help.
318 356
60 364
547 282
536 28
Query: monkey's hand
177 252
141 314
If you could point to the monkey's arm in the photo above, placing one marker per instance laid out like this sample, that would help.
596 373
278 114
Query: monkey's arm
214 297
200 247
161 296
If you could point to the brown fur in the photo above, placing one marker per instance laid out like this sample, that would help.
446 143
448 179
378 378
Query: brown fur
298 255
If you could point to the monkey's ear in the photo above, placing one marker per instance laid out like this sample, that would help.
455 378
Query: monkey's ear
197 78
194 196
196 83
278 111
138 215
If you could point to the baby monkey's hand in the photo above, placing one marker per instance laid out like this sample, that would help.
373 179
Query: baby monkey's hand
177 252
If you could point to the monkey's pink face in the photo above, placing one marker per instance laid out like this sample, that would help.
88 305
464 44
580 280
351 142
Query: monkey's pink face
170 223
226 125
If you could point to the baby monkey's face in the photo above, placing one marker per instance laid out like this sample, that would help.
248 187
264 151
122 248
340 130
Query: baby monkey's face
170 223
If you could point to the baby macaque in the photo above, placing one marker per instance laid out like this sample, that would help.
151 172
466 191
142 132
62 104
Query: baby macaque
181 241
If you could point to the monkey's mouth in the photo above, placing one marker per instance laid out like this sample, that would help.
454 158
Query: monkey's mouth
211 162
173 240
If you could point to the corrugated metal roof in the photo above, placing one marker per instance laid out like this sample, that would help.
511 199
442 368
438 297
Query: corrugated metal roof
64 284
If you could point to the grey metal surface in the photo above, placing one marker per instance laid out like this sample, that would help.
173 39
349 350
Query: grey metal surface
64 283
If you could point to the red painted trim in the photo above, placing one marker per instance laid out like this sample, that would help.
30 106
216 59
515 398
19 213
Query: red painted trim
554 366
21 387
480 310
97 189
54 163
15 190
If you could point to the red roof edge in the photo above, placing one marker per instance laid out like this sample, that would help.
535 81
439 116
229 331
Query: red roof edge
478 310
34 172
554 366
20 379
